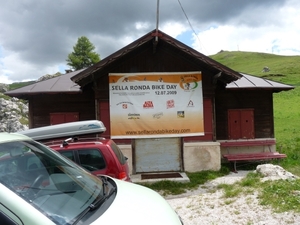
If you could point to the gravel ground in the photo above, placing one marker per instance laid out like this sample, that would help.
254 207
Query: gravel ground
204 206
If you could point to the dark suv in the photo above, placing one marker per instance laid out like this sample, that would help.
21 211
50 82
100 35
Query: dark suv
98 155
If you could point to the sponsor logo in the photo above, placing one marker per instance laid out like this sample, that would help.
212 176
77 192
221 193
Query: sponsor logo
124 104
134 116
189 82
190 104
170 104
148 105
157 115
180 114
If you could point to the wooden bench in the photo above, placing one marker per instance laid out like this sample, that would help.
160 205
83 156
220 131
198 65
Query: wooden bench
255 156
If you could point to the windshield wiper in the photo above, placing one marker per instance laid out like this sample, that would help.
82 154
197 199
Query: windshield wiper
91 207
104 184
98 201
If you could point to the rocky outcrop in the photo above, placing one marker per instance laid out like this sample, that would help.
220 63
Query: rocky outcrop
4 87
13 115
48 76
274 172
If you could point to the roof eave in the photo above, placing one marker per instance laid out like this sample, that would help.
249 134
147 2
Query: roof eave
82 77
276 90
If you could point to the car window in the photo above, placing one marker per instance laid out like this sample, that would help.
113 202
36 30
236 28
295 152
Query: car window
91 159
54 180
118 152
68 154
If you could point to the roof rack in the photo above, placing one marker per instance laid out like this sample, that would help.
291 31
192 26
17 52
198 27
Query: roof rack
65 130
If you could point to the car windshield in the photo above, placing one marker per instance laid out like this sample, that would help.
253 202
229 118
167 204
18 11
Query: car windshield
53 184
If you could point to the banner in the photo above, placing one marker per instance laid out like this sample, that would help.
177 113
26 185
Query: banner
156 105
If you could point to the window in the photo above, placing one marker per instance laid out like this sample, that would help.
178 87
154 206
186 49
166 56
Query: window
91 159
68 154
118 153
241 124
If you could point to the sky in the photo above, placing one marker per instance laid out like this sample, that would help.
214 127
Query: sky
36 36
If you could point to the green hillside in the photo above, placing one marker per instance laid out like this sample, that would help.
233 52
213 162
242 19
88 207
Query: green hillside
17 85
285 69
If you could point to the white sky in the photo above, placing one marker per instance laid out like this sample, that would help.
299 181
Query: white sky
36 36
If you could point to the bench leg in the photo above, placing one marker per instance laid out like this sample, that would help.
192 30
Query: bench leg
234 167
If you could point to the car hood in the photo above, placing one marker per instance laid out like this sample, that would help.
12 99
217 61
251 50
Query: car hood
135 204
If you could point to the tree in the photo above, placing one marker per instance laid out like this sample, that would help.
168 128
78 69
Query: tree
83 55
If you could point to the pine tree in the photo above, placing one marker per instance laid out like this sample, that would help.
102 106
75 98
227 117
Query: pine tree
83 55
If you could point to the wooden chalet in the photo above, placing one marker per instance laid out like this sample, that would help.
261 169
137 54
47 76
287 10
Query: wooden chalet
237 108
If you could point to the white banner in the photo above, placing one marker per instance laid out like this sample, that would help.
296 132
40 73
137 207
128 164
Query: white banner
155 105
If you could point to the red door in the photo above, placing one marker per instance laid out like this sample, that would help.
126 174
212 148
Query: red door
234 124
241 124
247 124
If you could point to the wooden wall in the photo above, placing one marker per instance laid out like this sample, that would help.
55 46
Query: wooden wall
259 100
40 106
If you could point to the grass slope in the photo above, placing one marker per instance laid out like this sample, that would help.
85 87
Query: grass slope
17 85
285 69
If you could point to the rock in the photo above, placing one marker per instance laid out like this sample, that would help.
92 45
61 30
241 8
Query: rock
3 87
11 112
274 172
265 69
48 76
